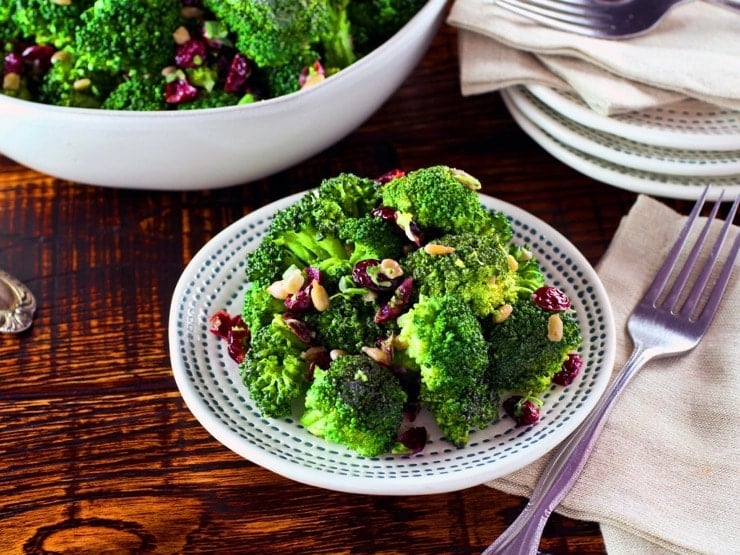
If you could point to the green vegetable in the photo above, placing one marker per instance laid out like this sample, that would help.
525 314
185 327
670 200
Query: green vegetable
110 42
356 402
48 22
138 92
452 329
522 358
445 339
477 271
373 21
275 372
312 232
444 200
127 35
348 324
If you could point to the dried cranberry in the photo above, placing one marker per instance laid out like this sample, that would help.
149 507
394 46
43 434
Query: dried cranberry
397 303
220 323
524 411
234 331
13 63
570 369
366 273
38 58
551 298
385 213
403 221
301 330
179 91
239 72
314 274
191 53
390 176
299 301
414 439
314 69
238 343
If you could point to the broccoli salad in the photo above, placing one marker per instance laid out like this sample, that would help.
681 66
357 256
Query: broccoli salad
148 55
369 300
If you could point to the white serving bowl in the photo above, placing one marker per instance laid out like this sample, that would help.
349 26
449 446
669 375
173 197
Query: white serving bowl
210 148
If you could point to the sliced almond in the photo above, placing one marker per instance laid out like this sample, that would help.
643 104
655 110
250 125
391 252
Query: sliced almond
554 328
319 296
437 249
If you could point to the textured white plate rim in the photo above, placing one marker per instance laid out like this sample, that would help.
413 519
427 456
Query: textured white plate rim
546 437
683 139
628 155
619 176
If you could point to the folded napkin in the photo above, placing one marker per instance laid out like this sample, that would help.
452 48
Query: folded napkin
693 53
663 477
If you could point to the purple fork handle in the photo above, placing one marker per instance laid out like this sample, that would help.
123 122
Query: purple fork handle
522 537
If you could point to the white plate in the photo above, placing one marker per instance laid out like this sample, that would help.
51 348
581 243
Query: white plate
209 380
665 185
622 151
689 124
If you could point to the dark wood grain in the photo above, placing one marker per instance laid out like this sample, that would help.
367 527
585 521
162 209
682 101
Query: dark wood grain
98 452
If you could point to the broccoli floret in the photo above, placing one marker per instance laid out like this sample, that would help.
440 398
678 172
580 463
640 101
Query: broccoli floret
445 339
347 324
522 357
210 99
307 233
139 92
373 21
372 237
477 270
274 33
356 402
444 200
529 276
259 307
301 236
274 371
49 22
71 83
123 35
348 195
283 79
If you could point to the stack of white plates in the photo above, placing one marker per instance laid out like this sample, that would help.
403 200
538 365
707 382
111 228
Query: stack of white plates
673 151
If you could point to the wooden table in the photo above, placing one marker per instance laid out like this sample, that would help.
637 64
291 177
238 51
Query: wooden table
98 452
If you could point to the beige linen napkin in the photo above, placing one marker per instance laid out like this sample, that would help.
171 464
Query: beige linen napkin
694 53
664 475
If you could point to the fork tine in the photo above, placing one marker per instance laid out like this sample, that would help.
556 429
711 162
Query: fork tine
661 278
671 300
573 7
694 297
567 22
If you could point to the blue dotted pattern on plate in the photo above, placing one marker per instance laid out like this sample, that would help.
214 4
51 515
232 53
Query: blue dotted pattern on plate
227 411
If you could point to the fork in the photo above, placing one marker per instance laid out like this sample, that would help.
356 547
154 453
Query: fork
615 19
670 319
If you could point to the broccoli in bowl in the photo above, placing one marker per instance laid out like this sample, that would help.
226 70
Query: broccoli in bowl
148 55
369 301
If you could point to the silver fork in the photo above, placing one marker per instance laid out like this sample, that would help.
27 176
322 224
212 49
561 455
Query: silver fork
670 319
608 19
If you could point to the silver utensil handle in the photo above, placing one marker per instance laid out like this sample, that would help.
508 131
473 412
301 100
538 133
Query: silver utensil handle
522 537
